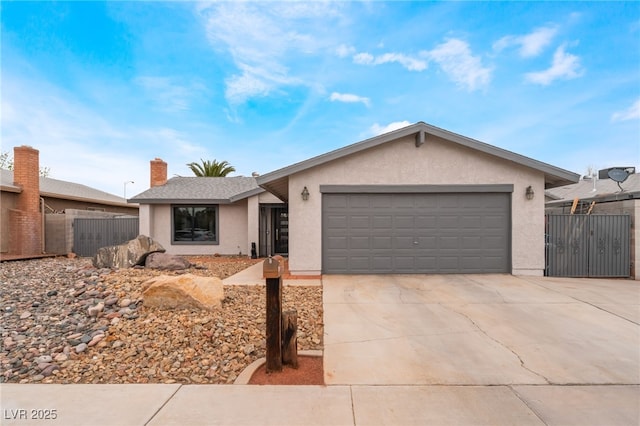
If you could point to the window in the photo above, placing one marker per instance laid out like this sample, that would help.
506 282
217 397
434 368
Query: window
195 224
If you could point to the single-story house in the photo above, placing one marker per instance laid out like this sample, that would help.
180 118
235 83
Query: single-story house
416 200
27 199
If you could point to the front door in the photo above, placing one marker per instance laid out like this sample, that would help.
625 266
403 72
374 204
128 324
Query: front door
280 234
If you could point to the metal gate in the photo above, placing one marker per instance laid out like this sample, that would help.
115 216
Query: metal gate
91 234
588 245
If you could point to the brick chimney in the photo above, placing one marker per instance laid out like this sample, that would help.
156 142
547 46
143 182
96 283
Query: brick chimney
158 172
26 220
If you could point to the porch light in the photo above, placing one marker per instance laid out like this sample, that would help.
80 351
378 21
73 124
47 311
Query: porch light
529 193
305 194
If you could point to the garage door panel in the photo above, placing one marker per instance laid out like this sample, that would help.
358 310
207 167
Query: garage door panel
359 243
416 233
337 222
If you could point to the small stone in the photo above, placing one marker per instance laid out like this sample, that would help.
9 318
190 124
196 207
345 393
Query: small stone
112 300
124 303
43 359
51 293
95 310
81 347
95 340
25 315
248 349
61 358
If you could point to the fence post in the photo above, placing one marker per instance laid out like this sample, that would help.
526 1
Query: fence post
272 269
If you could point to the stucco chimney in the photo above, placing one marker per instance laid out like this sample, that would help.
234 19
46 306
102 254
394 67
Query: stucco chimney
26 220
158 172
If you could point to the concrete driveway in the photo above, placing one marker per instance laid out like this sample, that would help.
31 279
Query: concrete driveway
484 349
480 330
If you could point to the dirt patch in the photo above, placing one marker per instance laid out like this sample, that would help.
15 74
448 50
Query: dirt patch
309 372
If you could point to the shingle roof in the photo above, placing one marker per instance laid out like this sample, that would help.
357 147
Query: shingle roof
219 190
605 189
55 188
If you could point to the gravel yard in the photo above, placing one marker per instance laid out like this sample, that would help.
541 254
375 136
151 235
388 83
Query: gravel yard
49 334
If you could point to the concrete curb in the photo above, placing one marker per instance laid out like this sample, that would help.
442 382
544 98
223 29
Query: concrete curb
244 377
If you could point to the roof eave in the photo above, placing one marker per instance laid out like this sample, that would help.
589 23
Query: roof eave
123 203
199 201
554 176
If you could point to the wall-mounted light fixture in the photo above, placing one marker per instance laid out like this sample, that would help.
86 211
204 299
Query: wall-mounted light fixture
305 194
529 193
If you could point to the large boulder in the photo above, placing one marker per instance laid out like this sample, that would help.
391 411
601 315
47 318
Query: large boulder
165 261
127 255
186 291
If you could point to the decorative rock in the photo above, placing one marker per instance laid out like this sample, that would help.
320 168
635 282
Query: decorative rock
95 310
183 292
61 358
168 262
48 371
111 300
127 255
43 359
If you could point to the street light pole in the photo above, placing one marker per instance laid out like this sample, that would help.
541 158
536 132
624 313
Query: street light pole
125 188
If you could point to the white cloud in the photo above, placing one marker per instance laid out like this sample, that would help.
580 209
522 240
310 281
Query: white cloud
343 50
631 113
377 129
531 44
262 37
411 64
456 60
169 95
565 66
349 98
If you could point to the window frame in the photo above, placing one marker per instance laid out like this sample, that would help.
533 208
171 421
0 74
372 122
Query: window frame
215 207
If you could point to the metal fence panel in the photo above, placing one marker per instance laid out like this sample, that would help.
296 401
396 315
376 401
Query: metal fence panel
567 250
588 245
609 250
91 234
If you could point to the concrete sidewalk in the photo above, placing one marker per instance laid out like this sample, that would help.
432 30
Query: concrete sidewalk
135 405
410 350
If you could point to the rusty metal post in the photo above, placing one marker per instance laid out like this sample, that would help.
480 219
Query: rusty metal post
272 269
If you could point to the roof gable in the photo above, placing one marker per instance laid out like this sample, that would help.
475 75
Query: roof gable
277 182
194 190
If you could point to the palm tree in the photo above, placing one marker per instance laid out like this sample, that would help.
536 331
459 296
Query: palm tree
211 168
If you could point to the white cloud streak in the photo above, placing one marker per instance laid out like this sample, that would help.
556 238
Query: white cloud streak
531 44
564 66
411 64
378 129
349 98
463 68
168 95
261 37
631 113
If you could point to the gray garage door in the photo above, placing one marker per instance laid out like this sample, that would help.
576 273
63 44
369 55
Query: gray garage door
416 233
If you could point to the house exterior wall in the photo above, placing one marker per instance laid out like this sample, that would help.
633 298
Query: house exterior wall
401 162
234 229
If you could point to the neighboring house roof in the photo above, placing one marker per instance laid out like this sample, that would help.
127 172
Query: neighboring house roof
599 190
277 182
194 190
61 189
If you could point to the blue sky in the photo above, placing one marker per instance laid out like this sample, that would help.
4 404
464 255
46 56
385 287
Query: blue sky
102 88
